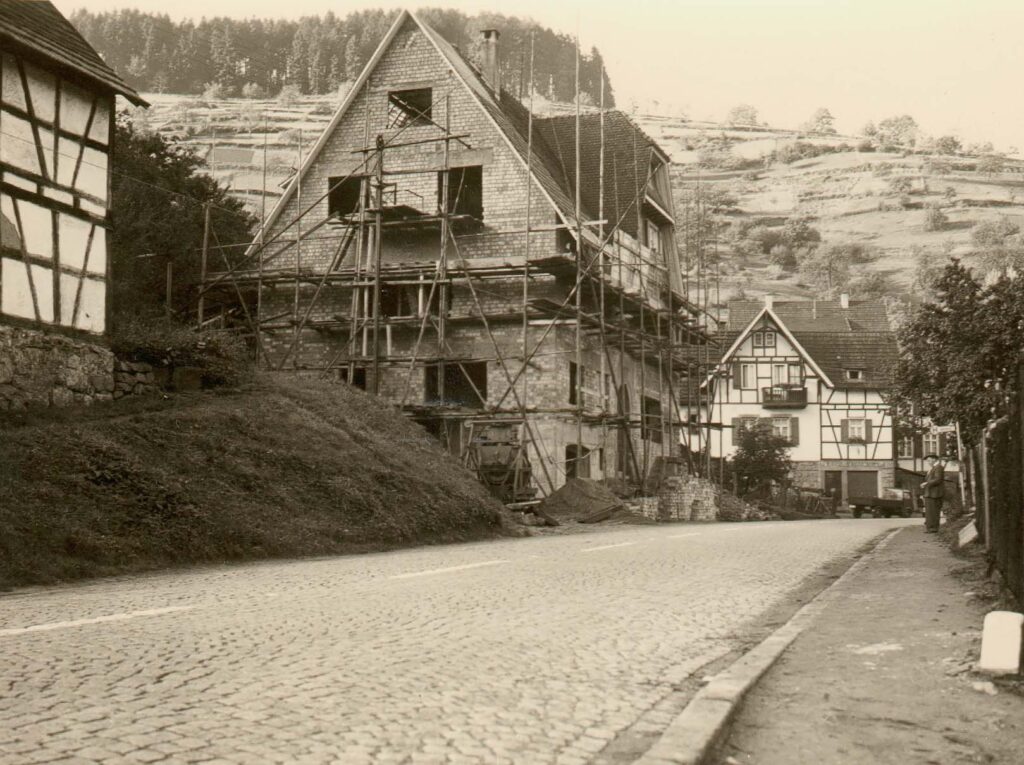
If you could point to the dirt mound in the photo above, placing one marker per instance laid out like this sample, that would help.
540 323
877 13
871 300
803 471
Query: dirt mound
285 468
582 499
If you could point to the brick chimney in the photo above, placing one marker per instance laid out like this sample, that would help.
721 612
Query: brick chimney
769 301
844 300
491 70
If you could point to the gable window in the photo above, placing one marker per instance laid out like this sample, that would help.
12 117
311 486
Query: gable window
854 374
343 196
748 376
407 107
769 338
759 339
465 191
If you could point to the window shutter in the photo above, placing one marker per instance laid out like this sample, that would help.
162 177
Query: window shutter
918 452
794 431
737 426
943 444
844 428
867 432
736 375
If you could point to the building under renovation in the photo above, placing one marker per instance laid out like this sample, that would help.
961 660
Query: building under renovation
511 282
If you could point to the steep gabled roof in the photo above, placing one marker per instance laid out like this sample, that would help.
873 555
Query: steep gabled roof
627 163
38 27
815 315
628 150
837 339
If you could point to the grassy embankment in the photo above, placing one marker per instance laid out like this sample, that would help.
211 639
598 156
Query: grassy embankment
279 469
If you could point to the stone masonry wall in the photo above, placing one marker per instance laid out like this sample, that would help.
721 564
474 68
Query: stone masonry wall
687 498
40 368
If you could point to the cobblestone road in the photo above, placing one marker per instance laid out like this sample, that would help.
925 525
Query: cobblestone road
527 651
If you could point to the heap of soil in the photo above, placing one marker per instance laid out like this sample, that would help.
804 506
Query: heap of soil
284 468
582 499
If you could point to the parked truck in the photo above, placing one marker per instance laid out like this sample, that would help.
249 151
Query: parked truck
899 502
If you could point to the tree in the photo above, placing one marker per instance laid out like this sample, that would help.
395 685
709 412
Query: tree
744 114
897 132
947 144
827 268
158 196
959 352
761 457
991 163
821 123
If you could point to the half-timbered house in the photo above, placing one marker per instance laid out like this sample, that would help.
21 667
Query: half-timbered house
817 371
56 129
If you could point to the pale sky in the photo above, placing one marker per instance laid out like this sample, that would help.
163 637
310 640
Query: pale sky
956 66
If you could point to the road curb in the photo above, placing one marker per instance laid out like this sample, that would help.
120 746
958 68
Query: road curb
691 739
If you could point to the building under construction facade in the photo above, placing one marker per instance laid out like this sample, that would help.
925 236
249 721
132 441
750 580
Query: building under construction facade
511 282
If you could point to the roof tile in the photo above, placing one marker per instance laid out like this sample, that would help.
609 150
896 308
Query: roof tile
36 25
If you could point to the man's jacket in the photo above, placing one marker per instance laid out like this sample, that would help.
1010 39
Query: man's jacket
935 482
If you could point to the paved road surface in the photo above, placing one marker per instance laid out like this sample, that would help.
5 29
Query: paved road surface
535 650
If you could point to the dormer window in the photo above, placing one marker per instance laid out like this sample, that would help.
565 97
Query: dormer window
410 107
855 374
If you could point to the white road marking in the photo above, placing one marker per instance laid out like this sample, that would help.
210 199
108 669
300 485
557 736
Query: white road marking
608 547
445 570
94 620
682 536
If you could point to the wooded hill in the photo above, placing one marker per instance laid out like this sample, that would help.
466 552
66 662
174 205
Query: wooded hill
316 54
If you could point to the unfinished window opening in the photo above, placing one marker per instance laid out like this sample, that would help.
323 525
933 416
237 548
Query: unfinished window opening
652 235
435 300
465 191
577 461
651 422
459 383
343 196
357 379
396 301
576 395
410 107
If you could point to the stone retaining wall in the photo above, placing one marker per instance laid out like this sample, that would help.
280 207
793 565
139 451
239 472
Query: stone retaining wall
39 368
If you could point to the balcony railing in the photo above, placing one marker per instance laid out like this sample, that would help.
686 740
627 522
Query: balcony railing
783 397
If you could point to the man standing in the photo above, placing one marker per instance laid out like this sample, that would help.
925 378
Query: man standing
934 490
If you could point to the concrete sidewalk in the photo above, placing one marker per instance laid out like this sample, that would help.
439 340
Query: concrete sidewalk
883 675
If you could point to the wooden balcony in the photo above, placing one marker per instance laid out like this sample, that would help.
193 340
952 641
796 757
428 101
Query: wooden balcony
783 397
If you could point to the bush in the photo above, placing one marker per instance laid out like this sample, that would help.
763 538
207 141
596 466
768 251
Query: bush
253 90
224 358
935 219
289 95
214 91
901 185
866 145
